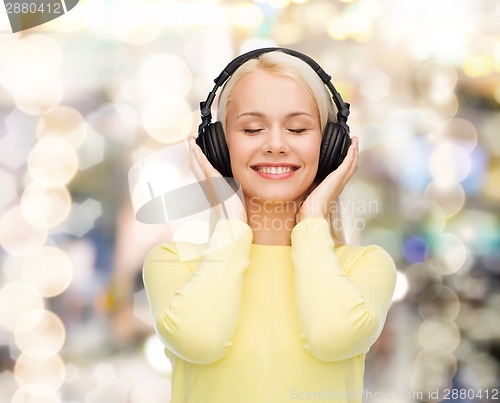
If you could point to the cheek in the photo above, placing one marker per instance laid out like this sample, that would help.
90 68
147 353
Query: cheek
240 148
311 151
234 149
238 154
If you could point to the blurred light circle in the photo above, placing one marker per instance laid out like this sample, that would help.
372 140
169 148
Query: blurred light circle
450 197
482 324
19 298
497 92
480 371
36 393
474 184
132 22
356 22
489 133
17 235
447 253
408 155
449 164
49 270
433 370
246 15
315 16
425 217
436 80
65 122
117 121
415 248
52 162
167 120
162 74
72 373
91 152
278 3
129 92
29 60
460 132
40 366
94 17
442 302
478 229
491 188
74 21
288 33
338 28
375 85
473 288
45 207
434 112
435 333
40 329
40 97
19 59
9 189
478 65
421 277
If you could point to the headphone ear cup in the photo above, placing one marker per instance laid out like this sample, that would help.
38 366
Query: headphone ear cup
334 146
212 142
222 151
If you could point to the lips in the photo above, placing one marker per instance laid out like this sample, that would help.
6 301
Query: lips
275 170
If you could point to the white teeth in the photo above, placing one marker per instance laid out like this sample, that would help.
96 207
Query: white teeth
275 170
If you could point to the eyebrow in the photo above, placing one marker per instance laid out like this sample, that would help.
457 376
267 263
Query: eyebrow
261 115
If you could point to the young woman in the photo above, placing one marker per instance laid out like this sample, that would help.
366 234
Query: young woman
275 308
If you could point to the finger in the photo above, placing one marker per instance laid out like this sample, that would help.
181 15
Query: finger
339 178
354 162
350 163
351 168
195 163
214 186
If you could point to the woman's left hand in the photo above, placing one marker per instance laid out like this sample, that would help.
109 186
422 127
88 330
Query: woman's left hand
317 204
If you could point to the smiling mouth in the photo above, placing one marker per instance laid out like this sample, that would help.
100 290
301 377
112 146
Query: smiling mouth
275 170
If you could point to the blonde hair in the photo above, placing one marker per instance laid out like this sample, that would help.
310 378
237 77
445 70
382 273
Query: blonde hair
283 64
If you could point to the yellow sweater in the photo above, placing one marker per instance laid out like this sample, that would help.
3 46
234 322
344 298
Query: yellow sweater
248 323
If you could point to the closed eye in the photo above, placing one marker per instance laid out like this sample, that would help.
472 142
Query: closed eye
251 131
297 131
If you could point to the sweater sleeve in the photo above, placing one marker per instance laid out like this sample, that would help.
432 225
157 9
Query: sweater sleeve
195 294
341 308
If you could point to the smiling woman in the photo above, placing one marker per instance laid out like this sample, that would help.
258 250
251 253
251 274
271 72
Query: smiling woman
274 303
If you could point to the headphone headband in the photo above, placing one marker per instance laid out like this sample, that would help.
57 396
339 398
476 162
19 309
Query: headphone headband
205 107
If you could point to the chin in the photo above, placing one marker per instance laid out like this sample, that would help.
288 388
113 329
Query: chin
274 197
259 193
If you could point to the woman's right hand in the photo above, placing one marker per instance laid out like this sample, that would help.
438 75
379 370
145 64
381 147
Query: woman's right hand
229 208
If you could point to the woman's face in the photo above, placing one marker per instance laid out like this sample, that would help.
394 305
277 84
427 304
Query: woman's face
274 136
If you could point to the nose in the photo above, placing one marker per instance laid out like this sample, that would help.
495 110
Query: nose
275 142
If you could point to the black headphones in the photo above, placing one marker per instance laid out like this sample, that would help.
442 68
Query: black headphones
335 141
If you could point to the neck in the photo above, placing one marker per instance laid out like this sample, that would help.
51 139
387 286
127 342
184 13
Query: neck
271 222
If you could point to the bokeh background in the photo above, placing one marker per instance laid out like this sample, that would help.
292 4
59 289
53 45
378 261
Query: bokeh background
88 95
